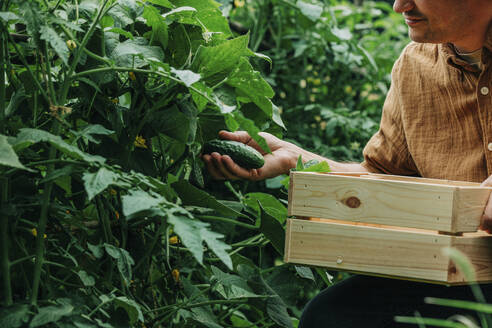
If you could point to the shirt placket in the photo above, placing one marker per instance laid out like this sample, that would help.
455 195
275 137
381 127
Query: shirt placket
484 101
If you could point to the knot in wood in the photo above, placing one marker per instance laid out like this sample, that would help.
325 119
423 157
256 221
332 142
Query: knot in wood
352 202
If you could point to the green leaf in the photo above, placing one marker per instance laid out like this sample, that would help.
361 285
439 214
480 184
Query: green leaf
191 195
171 122
342 34
305 272
139 201
269 203
28 137
273 230
7 16
136 53
56 42
222 58
186 76
16 99
131 307
14 316
96 250
119 31
277 311
123 260
97 182
199 100
208 15
230 286
8 157
92 129
249 126
157 23
51 314
193 233
162 3
86 279
250 84
311 11
32 18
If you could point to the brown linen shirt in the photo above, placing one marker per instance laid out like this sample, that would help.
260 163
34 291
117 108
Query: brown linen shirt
437 117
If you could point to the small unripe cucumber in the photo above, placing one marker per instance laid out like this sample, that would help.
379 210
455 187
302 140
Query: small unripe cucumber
242 154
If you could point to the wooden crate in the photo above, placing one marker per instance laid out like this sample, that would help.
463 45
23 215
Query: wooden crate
387 225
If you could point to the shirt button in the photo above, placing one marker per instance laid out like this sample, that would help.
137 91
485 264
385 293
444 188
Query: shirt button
484 91
489 146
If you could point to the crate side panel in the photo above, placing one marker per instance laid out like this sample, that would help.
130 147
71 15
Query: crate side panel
478 249
469 206
377 201
370 250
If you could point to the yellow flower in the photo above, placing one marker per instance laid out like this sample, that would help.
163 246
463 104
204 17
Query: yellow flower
71 44
112 192
317 81
302 84
115 101
140 142
175 274
348 89
116 215
34 232
173 240
239 3
132 76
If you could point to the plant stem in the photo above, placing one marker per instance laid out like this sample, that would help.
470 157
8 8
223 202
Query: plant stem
48 186
5 245
68 78
2 80
227 220
26 65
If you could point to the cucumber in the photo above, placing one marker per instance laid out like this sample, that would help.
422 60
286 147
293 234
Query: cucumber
244 155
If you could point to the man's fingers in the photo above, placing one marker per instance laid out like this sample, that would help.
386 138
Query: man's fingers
212 168
219 164
239 171
241 136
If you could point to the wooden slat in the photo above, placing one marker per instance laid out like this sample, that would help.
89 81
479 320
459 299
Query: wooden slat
478 248
420 180
390 252
405 204
469 204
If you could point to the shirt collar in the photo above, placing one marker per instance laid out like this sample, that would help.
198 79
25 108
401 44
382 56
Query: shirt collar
453 60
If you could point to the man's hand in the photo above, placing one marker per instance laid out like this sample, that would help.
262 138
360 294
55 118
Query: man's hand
487 214
282 158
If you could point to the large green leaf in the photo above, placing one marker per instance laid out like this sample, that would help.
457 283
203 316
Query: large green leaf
97 182
135 53
249 84
56 42
311 11
131 307
50 314
222 58
273 230
208 15
269 203
171 122
191 195
123 260
14 316
28 137
157 23
230 286
8 157
138 202
194 233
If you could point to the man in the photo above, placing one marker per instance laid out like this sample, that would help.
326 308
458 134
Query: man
436 123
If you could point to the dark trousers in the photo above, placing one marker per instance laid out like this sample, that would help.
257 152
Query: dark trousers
366 302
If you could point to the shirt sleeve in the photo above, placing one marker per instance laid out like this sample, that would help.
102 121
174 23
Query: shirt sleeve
387 151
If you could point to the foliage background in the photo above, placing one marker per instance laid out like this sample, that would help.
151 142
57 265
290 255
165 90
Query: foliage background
107 216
